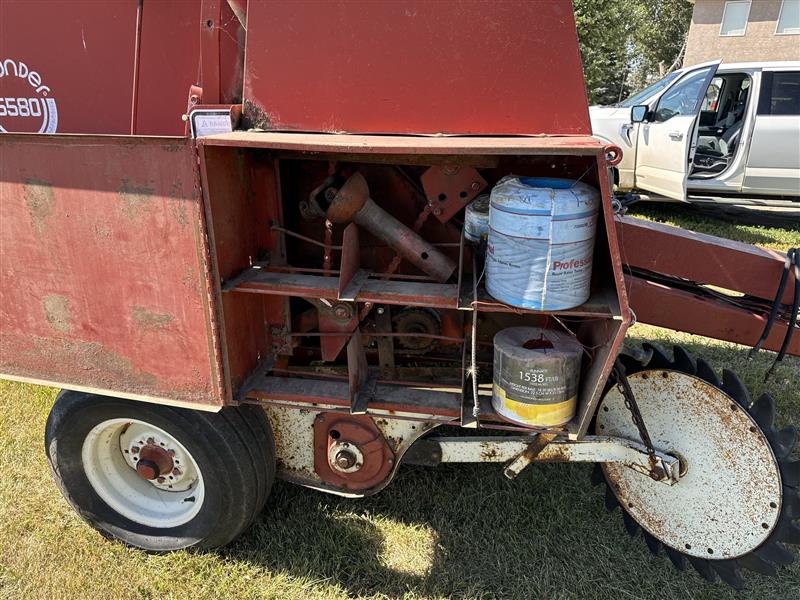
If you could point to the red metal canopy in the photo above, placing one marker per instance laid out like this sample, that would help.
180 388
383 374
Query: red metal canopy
480 67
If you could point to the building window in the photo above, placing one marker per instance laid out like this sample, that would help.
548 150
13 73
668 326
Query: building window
789 19
734 18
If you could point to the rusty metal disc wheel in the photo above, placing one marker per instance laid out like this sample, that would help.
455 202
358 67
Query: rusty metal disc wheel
157 477
738 497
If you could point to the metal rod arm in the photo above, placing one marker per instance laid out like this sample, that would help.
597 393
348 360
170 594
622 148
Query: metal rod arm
594 449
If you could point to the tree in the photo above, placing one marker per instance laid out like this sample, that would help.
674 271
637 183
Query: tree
626 44
659 39
604 30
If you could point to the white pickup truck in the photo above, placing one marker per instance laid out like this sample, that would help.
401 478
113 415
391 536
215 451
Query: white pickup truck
711 132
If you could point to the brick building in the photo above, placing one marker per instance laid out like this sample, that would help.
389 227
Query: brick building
743 31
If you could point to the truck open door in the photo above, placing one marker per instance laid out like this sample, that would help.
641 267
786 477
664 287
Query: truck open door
667 134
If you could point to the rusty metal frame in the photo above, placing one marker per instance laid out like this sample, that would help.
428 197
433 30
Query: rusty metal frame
514 450
610 306
690 260
702 258
449 188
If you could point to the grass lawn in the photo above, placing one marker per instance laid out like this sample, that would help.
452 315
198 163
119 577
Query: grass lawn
451 532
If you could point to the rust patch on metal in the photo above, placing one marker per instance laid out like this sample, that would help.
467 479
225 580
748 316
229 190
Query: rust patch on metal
56 311
177 205
101 232
148 319
39 199
255 117
555 453
189 280
135 199
488 451
80 362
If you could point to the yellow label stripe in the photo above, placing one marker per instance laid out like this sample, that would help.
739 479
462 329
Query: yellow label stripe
535 414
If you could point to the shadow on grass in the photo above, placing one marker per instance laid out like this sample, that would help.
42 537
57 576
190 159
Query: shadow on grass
546 535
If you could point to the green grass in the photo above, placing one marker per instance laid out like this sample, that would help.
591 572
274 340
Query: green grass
689 217
450 532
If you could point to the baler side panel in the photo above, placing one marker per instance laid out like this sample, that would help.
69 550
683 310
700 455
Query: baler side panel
169 58
82 54
478 67
104 281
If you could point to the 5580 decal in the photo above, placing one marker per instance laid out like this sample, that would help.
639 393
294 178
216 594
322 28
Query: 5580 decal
22 107
26 104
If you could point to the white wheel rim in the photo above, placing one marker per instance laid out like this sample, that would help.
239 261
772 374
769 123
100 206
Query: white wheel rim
729 500
109 456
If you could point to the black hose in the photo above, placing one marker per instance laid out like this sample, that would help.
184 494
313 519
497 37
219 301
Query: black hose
792 256
776 304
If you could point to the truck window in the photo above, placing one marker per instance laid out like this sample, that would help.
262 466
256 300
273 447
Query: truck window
713 93
780 93
650 91
683 98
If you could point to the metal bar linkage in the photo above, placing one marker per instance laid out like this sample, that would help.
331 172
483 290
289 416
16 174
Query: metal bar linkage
594 449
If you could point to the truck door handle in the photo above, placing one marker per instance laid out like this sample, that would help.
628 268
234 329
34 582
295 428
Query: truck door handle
676 135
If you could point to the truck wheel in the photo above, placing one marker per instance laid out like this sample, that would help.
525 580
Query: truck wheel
157 477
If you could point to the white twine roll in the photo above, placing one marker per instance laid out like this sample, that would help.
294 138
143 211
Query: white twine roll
541 242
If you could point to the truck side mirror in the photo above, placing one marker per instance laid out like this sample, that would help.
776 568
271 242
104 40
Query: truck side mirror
639 113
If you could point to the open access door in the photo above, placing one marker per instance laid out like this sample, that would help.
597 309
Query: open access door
667 138
104 269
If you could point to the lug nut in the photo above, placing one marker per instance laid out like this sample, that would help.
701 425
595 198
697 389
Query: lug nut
151 440
161 480
176 472
135 450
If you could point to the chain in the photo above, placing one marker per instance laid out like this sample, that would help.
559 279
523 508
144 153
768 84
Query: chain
630 403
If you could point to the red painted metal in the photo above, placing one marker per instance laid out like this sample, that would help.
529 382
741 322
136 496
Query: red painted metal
250 328
450 188
338 318
210 19
334 430
394 398
168 65
410 146
478 67
136 56
432 295
707 260
82 55
104 273
117 67
661 305
351 259
703 258
352 202
112 277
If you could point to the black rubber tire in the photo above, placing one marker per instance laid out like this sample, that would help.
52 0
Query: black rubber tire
233 448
